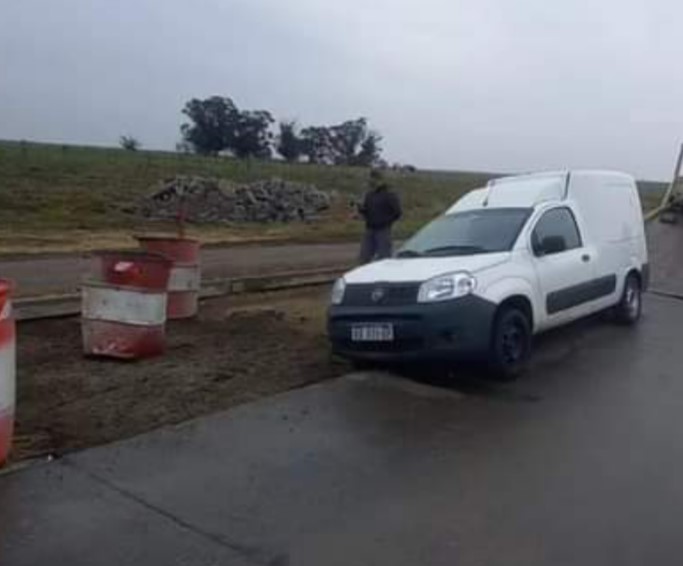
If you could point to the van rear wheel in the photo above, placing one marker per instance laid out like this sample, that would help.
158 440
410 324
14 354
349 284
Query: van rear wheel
630 308
510 344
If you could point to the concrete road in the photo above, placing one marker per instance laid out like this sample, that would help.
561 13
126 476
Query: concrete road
577 464
62 274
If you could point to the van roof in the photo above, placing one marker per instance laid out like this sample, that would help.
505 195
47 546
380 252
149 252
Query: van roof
562 174
529 190
535 188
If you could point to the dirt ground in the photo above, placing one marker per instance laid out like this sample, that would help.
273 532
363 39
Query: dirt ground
237 350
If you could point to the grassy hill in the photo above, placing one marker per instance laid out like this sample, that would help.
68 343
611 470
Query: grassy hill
60 198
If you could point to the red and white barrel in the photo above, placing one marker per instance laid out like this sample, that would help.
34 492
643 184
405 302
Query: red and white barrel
183 291
124 306
7 370
185 281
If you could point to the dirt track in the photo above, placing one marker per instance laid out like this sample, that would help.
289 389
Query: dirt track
49 275
237 350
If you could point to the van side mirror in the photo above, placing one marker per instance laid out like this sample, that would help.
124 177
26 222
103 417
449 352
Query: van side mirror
551 245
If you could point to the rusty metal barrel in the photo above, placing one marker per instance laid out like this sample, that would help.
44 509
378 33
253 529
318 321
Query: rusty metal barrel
7 369
185 281
124 305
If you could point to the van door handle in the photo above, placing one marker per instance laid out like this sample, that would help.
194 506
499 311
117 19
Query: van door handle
585 258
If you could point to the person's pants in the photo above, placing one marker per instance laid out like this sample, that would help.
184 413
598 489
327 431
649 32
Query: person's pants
376 244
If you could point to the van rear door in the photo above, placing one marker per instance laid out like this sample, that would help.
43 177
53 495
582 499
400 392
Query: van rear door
610 213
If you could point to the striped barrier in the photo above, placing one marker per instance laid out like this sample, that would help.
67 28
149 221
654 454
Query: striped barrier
184 286
124 312
185 282
7 370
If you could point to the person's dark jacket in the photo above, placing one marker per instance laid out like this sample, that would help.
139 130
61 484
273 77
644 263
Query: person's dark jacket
380 208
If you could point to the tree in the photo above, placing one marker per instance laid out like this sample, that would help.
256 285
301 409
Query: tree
347 139
213 124
289 144
217 124
317 144
349 143
370 151
252 136
129 143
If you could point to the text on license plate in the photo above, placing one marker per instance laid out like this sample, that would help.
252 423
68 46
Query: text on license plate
372 333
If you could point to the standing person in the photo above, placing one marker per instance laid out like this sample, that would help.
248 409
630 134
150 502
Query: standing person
380 209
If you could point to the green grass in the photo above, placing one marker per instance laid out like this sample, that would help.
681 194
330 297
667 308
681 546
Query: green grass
61 197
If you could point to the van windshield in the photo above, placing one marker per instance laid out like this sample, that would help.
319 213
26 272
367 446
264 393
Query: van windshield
467 233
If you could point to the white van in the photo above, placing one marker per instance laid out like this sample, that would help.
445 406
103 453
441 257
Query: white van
523 255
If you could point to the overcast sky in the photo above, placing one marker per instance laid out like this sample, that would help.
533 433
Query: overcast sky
501 85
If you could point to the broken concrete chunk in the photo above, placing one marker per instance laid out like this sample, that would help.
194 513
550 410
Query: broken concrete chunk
214 200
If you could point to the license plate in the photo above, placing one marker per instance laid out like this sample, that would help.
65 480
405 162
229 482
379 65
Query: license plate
372 333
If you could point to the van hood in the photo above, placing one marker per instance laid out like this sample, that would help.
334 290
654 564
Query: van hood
405 270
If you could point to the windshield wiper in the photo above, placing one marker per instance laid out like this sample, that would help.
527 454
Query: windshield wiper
408 253
456 250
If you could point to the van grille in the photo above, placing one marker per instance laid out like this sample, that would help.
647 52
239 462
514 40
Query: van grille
401 345
378 294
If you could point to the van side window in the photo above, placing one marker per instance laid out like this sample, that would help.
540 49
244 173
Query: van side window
555 232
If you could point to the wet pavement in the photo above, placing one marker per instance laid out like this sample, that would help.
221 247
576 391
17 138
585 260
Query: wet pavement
578 463
666 255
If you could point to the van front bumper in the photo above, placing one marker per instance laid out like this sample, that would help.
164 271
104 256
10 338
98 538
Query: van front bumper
458 329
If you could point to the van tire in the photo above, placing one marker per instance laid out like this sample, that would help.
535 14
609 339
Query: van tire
630 307
510 344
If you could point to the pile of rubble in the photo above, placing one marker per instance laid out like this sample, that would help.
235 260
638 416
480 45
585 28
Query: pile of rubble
214 200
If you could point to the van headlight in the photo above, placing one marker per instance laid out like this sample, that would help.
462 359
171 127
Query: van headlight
446 287
337 296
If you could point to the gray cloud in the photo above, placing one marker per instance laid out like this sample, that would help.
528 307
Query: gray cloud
461 84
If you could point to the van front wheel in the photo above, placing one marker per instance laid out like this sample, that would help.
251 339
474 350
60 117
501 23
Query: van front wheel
630 307
510 344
